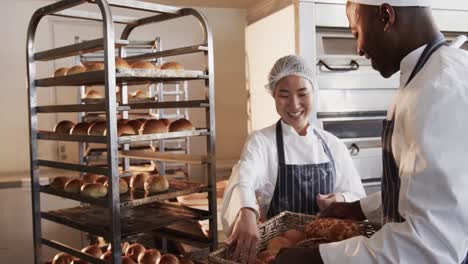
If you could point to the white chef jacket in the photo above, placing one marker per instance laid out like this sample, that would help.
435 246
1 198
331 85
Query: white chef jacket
430 147
253 178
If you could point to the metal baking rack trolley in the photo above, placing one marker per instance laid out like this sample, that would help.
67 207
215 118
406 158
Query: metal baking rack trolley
116 216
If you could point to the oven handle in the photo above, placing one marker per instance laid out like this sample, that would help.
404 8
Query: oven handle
353 66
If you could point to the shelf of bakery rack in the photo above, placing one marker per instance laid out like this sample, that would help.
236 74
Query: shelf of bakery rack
48 135
199 240
75 49
81 14
64 248
126 76
148 217
135 197
71 167
167 157
168 53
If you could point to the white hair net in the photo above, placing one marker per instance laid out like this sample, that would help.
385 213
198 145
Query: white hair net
297 66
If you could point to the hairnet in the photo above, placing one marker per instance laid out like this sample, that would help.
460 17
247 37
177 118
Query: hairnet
294 65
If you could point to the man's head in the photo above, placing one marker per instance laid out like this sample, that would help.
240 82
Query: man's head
386 34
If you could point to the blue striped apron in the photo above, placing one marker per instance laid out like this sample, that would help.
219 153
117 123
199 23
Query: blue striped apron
298 185
390 176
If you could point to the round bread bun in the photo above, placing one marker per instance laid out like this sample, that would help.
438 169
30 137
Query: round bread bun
123 246
79 261
134 250
76 69
144 65
166 122
93 94
98 129
61 72
126 179
136 125
64 127
172 65
122 121
153 126
156 184
94 66
277 243
93 190
121 63
181 125
142 120
123 186
80 129
90 177
294 236
107 256
127 260
149 256
169 259
73 186
62 258
58 183
185 261
101 179
93 250
137 182
125 130
266 256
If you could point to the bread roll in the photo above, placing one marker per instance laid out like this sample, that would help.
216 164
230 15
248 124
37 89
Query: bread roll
90 177
79 261
181 125
127 260
98 129
172 65
123 186
62 258
64 127
137 182
80 129
127 179
277 243
58 183
145 65
153 126
156 184
94 66
134 250
142 120
122 121
93 94
73 186
124 246
61 72
166 122
266 256
136 125
101 179
294 236
93 250
76 69
107 256
125 130
149 256
93 190
185 261
121 63
169 259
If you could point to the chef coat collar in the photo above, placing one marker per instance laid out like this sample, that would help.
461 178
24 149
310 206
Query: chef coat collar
408 63
287 129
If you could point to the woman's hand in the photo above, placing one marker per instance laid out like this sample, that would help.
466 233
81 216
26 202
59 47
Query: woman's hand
245 236
323 201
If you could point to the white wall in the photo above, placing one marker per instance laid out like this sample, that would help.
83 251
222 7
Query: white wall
231 97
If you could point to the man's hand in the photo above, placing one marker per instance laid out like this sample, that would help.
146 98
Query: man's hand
352 211
245 237
323 201
299 255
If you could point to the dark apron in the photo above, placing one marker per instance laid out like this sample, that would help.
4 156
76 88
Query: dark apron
298 185
391 176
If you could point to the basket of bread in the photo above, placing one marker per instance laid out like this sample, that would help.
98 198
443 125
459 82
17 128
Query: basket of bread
296 230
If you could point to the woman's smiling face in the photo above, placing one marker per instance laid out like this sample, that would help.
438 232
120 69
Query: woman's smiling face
293 98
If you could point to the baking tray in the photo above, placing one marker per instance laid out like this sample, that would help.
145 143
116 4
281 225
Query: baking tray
145 218
135 198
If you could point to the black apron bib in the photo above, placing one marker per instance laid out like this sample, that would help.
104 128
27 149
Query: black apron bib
297 185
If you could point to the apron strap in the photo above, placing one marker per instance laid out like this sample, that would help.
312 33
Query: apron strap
327 151
279 143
